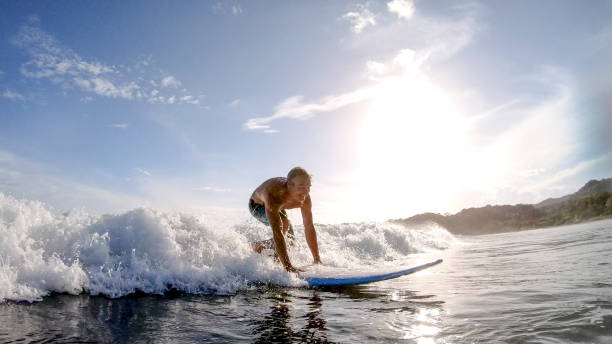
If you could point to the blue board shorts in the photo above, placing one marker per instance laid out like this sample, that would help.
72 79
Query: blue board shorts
259 212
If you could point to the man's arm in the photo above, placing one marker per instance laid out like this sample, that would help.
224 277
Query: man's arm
309 229
276 223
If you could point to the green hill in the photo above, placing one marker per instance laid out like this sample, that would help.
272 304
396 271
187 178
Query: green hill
593 201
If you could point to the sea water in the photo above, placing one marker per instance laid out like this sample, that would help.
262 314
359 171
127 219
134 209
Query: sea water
151 276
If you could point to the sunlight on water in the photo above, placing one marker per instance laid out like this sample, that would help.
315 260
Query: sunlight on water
425 327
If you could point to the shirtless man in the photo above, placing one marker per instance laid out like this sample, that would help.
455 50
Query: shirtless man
268 203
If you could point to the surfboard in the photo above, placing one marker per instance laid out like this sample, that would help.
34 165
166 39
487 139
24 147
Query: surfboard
314 281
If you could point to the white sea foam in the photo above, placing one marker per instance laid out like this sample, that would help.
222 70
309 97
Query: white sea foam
44 251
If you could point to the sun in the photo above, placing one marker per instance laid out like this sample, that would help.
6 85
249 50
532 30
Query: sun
412 137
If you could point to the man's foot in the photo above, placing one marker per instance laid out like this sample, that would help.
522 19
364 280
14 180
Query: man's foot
259 246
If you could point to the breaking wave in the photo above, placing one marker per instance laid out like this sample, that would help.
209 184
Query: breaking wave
146 250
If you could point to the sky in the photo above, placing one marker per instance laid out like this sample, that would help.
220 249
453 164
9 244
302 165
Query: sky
395 107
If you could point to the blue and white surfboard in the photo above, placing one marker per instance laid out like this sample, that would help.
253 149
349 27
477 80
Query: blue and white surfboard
314 281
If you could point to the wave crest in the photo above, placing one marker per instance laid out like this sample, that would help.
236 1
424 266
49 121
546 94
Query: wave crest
44 251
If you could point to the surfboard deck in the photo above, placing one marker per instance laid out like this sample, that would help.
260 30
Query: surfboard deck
353 280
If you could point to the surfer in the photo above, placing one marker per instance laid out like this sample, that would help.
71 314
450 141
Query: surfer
268 204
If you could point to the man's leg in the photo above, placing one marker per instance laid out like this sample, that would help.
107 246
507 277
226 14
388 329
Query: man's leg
286 225
259 212
287 229
269 243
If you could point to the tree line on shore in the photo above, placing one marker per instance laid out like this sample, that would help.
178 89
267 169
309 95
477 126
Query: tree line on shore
593 201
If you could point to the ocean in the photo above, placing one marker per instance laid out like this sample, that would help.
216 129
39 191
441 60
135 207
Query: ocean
147 276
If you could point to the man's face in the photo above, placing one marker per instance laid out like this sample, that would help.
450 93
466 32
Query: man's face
299 187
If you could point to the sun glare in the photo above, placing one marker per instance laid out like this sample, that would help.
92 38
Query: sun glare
411 138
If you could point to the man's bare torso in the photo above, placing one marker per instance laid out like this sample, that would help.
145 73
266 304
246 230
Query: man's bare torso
273 192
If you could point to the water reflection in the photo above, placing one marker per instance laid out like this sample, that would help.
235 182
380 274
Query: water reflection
64 318
276 326
314 331
354 291
411 316
389 314
278 315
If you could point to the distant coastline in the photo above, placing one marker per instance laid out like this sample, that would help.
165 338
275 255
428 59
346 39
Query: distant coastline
592 202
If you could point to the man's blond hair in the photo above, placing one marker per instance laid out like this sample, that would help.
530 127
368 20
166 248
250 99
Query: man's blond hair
298 171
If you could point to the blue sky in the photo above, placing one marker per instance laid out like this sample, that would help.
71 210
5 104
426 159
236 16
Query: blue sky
396 107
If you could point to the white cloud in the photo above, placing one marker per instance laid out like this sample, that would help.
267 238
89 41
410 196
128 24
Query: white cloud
293 107
440 37
105 87
220 8
495 110
189 100
48 59
214 189
403 8
120 125
8 94
170 81
171 100
374 69
143 172
235 102
360 20
443 39
236 10
157 99
406 61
